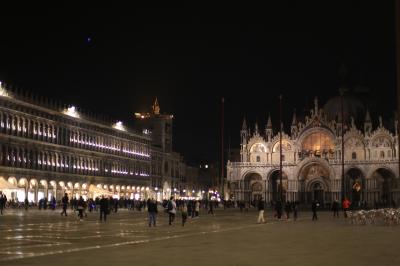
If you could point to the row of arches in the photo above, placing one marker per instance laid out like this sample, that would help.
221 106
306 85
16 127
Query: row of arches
69 163
36 189
49 131
315 183
321 142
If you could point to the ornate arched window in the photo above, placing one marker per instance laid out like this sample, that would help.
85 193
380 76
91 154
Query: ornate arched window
354 156
318 142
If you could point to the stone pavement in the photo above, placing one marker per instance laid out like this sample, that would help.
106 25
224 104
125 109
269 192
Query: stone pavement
228 238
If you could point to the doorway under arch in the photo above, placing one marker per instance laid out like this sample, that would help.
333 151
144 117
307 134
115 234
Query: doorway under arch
385 187
314 184
354 186
276 189
252 187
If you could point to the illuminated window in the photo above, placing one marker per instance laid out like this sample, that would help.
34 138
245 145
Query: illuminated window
320 142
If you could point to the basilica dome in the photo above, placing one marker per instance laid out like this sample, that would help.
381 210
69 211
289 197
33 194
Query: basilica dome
353 106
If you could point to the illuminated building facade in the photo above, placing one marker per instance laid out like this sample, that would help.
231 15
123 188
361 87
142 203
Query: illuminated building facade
47 149
312 159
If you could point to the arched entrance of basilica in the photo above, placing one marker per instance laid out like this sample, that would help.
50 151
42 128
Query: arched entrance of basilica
355 186
314 184
386 191
275 186
253 187
317 192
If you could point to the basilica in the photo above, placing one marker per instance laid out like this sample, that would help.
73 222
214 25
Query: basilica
312 163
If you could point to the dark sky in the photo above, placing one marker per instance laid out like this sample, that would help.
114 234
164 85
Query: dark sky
190 57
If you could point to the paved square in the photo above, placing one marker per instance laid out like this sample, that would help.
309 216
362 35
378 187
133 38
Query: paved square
228 238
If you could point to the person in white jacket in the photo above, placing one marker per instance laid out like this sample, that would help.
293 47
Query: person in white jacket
171 207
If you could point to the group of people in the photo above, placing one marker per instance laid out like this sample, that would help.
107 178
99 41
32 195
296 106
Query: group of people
290 207
187 208
81 205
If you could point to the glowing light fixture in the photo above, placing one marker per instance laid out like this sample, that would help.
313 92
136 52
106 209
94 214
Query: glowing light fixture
119 126
3 91
71 111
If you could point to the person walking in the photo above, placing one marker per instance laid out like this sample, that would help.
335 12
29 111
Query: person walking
184 213
53 203
335 209
26 203
197 208
171 210
261 208
346 205
2 199
81 207
295 208
278 208
103 208
314 207
211 207
64 201
288 209
152 210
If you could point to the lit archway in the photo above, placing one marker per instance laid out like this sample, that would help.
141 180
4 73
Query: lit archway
354 186
318 144
313 182
252 187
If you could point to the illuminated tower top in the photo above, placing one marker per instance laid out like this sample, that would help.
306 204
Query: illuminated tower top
156 107
158 125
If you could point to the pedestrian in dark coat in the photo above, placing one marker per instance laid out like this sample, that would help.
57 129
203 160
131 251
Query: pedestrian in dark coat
288 209
314 207
335 209
278 208
152 210
103 208
64 204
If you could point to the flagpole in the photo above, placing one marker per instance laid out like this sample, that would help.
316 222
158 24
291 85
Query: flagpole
280 146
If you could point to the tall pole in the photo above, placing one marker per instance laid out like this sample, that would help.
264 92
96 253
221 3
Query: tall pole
398 76
280 147
222 147
342 135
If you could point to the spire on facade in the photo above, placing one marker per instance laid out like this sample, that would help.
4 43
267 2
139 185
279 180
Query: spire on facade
269 123
367 116
294 119
156 107
367 123
380 122
316 106
256 129
244 125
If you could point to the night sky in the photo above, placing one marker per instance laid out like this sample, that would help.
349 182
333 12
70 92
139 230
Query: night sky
115 61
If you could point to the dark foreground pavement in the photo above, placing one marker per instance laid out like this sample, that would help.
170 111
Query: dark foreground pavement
228 238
